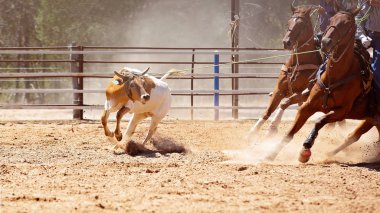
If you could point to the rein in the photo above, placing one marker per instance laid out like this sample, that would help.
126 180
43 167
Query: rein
330 87
290 71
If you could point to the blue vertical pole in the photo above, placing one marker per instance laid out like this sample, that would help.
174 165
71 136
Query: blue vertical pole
216 85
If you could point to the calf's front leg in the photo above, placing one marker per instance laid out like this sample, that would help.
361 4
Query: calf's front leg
119 116
104 119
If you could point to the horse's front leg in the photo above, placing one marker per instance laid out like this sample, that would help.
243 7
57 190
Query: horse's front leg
119 116
332 116
303 114
275 100
354 136
294 99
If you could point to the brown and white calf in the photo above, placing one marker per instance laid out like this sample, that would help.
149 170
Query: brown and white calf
132 91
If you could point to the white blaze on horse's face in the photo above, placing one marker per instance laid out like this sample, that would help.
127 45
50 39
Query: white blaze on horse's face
298 26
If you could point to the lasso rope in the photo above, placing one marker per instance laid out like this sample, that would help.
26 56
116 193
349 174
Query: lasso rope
250 60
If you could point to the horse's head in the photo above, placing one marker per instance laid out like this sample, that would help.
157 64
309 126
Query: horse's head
341 31
300 29
134 83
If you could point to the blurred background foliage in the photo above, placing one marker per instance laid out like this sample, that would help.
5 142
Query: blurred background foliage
97 22
157 23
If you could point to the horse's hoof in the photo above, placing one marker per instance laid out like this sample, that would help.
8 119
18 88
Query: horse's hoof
272 131
304 155
330 154
270 157
250 136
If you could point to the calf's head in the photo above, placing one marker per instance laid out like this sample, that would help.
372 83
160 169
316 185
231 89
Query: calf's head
135 84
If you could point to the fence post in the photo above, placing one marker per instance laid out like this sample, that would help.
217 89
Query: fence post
77 67
192 84
235 19
216 85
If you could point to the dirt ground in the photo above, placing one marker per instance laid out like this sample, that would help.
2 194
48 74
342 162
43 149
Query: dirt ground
69 166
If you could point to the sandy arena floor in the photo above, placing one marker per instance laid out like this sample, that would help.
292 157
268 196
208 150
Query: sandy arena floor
68 166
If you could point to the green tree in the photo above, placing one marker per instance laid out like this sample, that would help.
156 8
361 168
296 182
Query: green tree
17 28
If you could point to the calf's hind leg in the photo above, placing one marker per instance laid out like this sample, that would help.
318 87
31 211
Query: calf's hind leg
152 129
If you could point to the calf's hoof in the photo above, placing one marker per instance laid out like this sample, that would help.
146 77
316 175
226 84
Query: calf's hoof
304 155
118 136
109 134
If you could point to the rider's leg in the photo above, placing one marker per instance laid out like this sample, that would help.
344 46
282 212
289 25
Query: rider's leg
376 75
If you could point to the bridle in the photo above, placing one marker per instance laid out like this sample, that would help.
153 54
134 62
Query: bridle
295 50
290 30
328 89
341 37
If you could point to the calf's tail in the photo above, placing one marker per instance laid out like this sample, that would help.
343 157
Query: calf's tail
172 72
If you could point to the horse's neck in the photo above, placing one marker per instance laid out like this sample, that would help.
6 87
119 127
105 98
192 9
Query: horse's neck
337 70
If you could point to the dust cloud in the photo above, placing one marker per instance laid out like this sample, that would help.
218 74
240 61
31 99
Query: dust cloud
329 138
197 23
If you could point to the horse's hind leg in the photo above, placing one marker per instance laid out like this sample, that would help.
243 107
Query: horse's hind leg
354 136
294 99
342 124
273 104
330 117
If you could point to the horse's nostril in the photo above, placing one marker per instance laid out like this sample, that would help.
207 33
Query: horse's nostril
287 43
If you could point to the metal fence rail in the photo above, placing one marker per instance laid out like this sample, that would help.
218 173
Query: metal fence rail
76 59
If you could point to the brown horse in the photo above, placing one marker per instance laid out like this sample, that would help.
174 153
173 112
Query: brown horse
339 91
299 69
